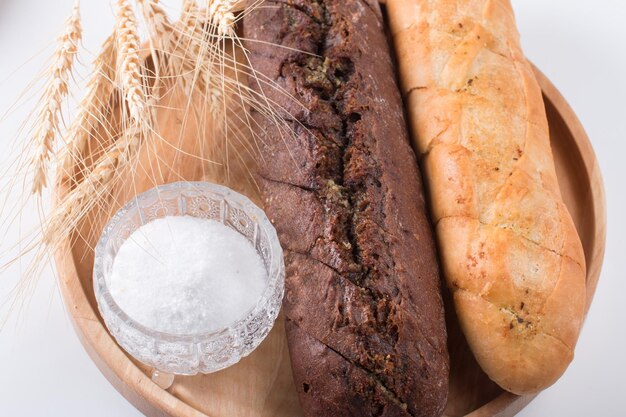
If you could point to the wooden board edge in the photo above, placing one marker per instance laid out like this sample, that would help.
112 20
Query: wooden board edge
588 156
507 404
108 356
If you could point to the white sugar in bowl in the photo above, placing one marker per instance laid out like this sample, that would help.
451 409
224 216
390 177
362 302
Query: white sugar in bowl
189 294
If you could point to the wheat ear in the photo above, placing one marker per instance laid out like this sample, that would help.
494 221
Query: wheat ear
186 54
47 125
97 185
129 66
158 24
92 107
201 58
162 36
221 15
191 32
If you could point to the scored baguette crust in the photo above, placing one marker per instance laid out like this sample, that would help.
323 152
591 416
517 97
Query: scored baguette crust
363 307
509 248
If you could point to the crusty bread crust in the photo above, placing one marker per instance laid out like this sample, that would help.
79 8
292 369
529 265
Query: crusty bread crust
365 320
510 251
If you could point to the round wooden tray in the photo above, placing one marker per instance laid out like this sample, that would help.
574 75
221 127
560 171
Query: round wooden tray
261 384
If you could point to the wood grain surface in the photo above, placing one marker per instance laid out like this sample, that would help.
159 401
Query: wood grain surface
261 384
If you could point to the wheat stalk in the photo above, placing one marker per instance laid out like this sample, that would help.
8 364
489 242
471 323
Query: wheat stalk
92 107
129 66
47 125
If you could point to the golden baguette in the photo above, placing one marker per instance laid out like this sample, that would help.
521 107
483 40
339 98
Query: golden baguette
509 249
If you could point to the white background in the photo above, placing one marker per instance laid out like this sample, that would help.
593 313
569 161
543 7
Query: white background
580 45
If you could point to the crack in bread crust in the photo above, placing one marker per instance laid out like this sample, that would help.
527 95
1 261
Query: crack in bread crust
375 378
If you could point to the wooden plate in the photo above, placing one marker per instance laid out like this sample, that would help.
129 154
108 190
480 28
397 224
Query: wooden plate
261 384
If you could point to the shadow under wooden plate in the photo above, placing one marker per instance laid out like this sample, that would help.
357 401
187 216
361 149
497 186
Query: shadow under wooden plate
261 384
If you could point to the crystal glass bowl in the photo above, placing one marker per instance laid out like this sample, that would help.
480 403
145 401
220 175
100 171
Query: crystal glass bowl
208 352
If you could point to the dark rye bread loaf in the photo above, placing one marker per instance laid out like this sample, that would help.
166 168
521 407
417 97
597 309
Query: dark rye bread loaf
365 320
